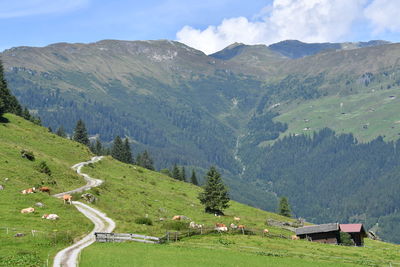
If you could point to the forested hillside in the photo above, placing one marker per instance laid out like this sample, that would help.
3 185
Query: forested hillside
234 109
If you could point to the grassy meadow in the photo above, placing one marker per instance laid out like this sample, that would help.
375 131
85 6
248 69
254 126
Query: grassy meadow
237 250
366 115
49 236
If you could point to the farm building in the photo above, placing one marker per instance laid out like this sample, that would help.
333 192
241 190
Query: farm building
330 233
356 231
323 233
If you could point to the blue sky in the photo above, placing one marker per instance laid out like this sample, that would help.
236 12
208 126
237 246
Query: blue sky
208 25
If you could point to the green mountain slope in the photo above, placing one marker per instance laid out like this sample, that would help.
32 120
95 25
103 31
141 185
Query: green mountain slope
50 236
198 110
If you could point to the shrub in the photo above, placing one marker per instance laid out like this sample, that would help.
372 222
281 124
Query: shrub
345 239
144 220
28 155
175 225
43 168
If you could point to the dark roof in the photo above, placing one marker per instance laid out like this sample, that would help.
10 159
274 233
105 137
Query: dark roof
322 228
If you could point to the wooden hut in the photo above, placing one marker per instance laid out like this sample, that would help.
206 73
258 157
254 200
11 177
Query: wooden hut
323 233
356 231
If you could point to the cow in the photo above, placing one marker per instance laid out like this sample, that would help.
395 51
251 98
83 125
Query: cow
295 237
236 219
265 231
44 189
28 210
67 199
195 225
51 217
28 191
220 227
233 226
241 226
176 218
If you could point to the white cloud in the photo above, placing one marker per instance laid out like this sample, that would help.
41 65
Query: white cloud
15 8
306 20
383 15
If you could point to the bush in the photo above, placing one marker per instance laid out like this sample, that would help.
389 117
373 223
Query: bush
28 155
143 220
43 168
175 225
345 239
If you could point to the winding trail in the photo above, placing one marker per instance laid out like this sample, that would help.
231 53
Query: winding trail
68 257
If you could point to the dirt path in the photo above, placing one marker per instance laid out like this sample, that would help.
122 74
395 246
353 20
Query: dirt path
68 257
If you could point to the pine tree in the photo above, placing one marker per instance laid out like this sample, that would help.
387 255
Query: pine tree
176 174
145 161
61 132
193 179
8 102
25 114
117 150
80 133
2 107
98 147
183 174
284 208
215 197
127 152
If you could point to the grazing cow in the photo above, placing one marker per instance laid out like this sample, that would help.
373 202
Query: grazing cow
28 191
195 225
233 226
220 227
265 231
45 189
241 226
236 219
295 237
67 199
1 187
51 217
28 210
176 218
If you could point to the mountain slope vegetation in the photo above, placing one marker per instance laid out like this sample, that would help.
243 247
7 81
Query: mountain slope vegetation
195 110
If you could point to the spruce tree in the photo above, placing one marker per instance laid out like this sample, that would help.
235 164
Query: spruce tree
176 174
117 150
80 133
61 132
193 179
215 197
145 161
284 208
98 147
183 174
8 102
127 152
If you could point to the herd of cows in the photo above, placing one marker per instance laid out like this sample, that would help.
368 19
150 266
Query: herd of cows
66 198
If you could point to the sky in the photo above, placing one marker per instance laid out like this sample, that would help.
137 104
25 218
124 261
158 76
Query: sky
207 25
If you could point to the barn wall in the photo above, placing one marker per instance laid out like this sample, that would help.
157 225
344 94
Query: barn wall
328 238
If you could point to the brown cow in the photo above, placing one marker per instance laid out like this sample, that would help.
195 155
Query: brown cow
241 226
45 189
67 198
28 210
176 218
236 219
28 191
220 227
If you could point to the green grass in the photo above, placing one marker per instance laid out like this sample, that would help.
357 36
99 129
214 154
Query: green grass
60 154
237 250
366 115
131 192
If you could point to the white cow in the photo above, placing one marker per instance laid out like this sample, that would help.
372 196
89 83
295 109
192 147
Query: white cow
51 217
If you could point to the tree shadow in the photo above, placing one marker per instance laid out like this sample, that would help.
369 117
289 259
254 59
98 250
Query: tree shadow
4 120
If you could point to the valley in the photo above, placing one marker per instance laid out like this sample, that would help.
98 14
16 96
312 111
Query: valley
191 109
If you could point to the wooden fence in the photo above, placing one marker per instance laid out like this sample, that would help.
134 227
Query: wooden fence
115 237
176 236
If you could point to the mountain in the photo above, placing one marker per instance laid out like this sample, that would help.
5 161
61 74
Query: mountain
231 109
128 195
297 49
